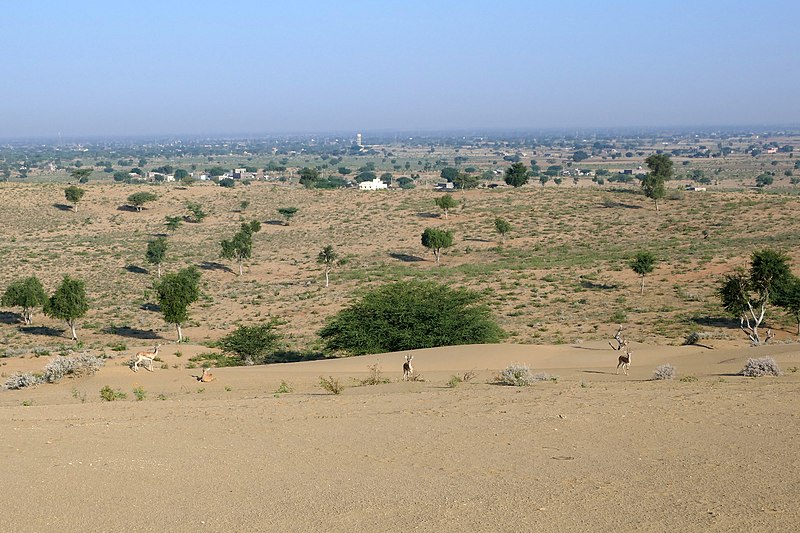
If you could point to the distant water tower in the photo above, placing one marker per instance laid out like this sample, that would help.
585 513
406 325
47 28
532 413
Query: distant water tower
358 139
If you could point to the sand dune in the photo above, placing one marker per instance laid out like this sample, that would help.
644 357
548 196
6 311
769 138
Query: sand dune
593 451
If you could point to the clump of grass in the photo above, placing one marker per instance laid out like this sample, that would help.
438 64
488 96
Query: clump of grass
20 380
763 366
79 395
140 393
454 381
664 372
283 388
375 376
110 395
331 385
691 339
81 365
516 375
688 379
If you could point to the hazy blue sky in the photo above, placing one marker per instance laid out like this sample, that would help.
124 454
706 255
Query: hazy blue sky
171 67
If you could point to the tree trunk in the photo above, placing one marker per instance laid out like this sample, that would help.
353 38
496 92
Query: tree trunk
159 270
27 314
798 328
437 253
642 285
240 268
445 212
180 333
656 205
75 207
327 271
71 325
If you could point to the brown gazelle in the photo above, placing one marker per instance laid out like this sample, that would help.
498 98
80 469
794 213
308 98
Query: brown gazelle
625 359
408 370
146 357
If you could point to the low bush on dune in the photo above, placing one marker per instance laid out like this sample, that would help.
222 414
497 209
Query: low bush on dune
519 375
763 366
411 315
664 372
56 370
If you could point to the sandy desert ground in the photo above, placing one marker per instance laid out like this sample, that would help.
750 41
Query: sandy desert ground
593 451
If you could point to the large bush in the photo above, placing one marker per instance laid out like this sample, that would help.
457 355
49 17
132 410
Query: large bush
252 345
411 315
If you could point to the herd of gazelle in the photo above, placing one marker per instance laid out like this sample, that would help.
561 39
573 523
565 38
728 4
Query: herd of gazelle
624 361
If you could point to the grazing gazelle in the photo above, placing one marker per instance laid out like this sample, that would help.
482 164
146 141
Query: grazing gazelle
408 370
146 357
625 360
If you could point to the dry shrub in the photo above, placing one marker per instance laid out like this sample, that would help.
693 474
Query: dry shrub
763 366
664 372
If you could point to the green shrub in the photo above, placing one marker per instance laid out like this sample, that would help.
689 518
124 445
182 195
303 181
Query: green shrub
331 385
108 394
252 345
411 315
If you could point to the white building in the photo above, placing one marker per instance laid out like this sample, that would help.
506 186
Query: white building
373 185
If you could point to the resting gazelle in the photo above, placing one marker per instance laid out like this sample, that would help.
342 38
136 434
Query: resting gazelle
146 357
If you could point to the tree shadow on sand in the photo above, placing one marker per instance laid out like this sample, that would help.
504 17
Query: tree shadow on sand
716 322
63 207
132 333
42 330
213 265
150 307
428 215
134 269
8 317
406 258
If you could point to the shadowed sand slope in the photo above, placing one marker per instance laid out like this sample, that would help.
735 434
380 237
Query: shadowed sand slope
593 451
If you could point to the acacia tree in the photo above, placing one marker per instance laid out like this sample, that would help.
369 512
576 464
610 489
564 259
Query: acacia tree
26 293
328 257
74 194
747 294
138 199
240 247
517 175
660 166
81 174
156 252
445 203
287 213
788 298
502 226
68 303
175 293
436 239
643 263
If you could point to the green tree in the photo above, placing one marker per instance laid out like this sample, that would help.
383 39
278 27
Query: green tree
436 239
787 297
196 211
309 177
503 227
449 173
643 263
517 175
240 247
253 345
26 293
74 194
138 199
81 174
445 203
660 166
579 156
747 294
543 179
411 315
329 258
68 303
764 179
287 213
175 293
173 223
465 181
156 252
181 174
